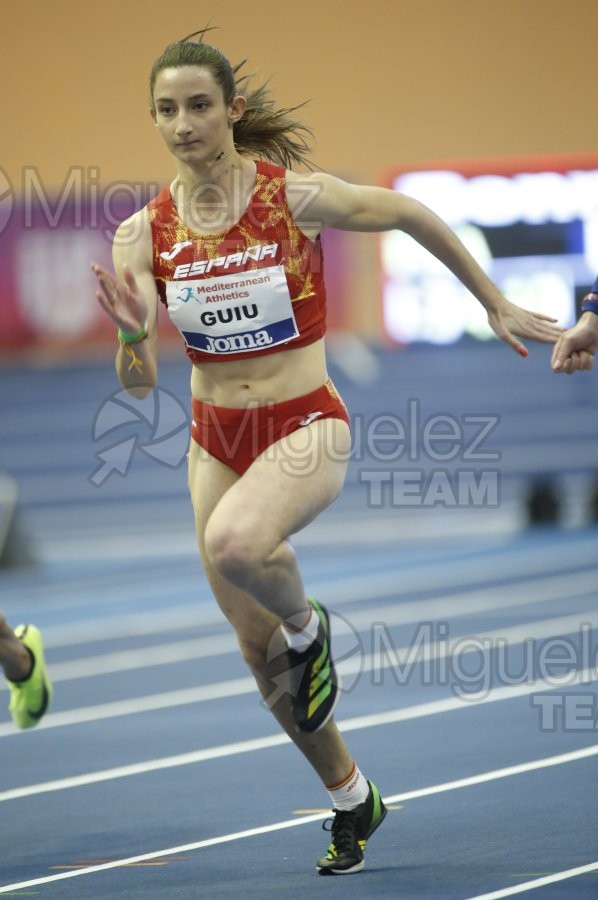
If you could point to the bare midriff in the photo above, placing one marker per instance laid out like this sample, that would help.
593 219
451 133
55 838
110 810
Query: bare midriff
261 380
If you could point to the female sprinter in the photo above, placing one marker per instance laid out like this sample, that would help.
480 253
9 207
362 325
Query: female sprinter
232 248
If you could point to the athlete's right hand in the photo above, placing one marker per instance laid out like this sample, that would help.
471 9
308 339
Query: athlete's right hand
123 301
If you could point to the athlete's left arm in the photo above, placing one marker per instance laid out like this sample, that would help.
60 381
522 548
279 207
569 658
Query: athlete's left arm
349 207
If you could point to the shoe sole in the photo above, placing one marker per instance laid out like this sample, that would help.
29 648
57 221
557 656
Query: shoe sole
351 871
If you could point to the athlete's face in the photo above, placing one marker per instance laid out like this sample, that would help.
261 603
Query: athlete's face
191 115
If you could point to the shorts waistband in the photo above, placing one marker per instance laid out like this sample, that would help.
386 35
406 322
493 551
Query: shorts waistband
206 413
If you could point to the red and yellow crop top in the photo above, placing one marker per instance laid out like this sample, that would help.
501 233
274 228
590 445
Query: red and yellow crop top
257 288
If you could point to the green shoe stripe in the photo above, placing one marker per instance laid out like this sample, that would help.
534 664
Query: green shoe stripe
377 808
318 700
319 680
321 660
320 614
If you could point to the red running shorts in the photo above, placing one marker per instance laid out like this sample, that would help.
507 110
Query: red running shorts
238 436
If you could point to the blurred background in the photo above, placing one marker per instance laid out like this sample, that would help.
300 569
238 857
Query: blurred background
483 110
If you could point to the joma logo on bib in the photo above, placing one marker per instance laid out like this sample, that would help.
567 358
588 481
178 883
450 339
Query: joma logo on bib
235 343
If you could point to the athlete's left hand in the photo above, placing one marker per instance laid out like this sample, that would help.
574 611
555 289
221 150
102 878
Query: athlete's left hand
510 322
122 300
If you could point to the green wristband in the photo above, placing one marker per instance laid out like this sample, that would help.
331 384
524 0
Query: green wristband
127 338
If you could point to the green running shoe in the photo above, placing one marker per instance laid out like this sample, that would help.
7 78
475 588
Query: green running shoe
31 698
313 680
350 831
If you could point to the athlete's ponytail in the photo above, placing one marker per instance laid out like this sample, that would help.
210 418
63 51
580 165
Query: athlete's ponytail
263 130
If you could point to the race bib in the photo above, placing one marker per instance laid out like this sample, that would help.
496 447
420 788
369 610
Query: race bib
233 313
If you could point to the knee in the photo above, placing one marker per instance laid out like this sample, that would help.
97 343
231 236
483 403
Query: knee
231 551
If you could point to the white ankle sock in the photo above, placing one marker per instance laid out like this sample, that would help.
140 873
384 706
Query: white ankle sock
301 639
350 792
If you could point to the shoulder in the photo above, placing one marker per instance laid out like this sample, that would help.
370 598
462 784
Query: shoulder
325 201
317 199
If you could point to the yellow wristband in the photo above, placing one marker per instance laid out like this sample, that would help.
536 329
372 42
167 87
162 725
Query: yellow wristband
136 363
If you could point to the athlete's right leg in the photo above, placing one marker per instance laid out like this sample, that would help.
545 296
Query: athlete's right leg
258 630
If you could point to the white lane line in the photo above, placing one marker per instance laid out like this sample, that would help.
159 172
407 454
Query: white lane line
166 700
496 774
357 723
184 848
116 626
336 591
543 590
484 778
145 658
153 765
335 532
538 882
399 660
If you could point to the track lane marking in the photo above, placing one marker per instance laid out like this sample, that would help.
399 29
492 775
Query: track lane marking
485 777
514 635
528 565
537 882
541 590
390 717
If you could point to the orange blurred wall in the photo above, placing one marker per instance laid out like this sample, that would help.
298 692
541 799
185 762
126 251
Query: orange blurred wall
390 82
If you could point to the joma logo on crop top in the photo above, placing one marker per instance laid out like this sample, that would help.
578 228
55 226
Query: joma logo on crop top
202 266
180 245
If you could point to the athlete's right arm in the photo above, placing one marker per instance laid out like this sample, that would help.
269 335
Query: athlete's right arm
130 299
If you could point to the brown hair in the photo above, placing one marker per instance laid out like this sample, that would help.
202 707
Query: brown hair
263 130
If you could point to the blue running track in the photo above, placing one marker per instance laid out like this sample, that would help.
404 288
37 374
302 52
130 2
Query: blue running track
467 642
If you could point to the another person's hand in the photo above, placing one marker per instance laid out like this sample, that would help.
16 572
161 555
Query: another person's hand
574 351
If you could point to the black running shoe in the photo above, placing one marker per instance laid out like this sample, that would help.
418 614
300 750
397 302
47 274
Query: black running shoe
350 831
313 679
